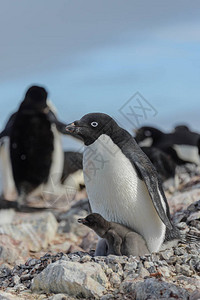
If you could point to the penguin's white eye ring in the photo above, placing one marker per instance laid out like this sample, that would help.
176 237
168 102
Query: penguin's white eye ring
94 124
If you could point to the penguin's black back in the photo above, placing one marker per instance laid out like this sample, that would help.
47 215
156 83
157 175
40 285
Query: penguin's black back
31 149
179 137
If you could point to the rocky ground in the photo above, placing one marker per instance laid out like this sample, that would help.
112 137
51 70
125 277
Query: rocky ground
49 255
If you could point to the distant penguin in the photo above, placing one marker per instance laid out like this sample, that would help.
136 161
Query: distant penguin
121 182
72 175
180 144
163 162
181 128
31 143
120 240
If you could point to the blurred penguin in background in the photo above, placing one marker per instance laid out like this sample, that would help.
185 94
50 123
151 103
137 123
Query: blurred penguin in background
164 164
72 176
181 144
31 150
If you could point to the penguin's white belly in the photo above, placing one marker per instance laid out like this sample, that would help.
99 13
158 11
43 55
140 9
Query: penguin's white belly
188 152
116 192
8 185
54 185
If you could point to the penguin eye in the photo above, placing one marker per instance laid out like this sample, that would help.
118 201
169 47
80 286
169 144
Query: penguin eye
94 124
147 133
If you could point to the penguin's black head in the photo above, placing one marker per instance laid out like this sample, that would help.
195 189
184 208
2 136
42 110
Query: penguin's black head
36 98
181 128
145 136
96 222
91 126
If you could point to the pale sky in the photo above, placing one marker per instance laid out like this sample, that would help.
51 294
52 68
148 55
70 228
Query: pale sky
94 55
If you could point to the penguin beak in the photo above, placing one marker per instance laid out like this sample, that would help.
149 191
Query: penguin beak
71 128
83 221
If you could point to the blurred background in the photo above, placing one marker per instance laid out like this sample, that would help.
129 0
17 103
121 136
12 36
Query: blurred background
93 56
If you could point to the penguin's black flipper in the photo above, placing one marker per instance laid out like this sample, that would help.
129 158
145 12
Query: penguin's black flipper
3 133
153 185
8 127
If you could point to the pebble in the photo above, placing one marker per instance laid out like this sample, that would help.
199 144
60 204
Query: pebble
115 280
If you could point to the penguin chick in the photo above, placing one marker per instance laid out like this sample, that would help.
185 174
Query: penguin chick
120 239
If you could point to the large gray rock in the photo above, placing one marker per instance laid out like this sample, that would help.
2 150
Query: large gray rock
153 288
74 279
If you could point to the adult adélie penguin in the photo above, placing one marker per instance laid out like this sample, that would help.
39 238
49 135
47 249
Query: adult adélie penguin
31 144
122 184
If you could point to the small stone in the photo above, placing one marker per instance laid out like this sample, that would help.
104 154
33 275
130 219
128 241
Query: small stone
179 251
16 279
116 259
148 264
143 272
164 271
32 262
115 280
155 257
108 271
167 254
183 269
5 271
107 297
85 258
26 277
130 266
19 287
74 257
181 225
151 270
